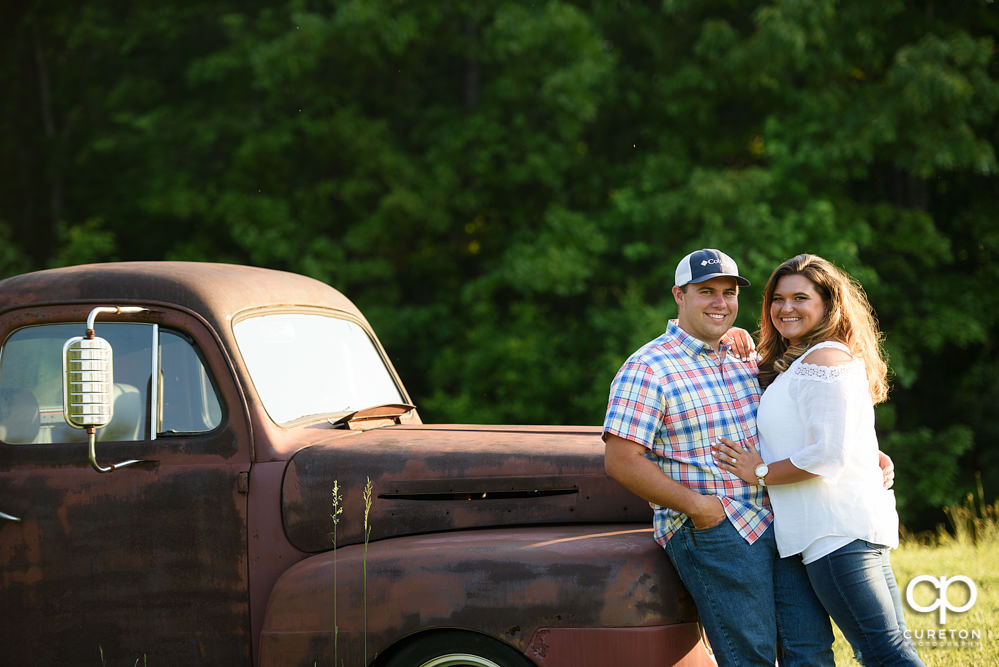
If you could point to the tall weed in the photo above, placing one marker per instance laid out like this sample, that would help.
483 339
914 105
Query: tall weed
973 521
335 513
364 563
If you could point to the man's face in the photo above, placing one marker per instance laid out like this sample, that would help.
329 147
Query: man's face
707 310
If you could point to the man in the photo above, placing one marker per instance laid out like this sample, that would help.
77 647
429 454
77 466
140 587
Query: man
668 403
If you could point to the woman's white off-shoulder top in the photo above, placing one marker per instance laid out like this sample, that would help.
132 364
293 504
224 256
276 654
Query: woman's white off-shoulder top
822 419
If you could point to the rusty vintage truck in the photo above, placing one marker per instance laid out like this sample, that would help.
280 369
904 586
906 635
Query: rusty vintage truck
196 526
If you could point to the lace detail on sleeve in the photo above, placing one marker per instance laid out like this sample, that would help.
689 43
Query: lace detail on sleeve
827 373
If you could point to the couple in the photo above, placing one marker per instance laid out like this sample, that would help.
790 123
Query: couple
687 429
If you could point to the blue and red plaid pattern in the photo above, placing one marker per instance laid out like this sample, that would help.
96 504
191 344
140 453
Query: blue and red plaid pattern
675 398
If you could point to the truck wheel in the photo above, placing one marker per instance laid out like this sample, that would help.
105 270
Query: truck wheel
454 648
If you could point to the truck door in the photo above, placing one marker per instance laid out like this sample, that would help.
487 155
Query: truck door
145 563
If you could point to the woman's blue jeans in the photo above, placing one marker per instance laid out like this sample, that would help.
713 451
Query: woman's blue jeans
745 611
856 586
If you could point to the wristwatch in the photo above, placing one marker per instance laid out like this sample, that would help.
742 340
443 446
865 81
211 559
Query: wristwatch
761 472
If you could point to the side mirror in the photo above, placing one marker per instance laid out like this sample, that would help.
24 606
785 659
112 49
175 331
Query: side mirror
88 382
88 377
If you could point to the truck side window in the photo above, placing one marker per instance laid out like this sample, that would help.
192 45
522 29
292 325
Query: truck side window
188 402
31 385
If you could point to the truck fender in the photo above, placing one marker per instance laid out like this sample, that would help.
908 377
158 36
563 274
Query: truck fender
516 585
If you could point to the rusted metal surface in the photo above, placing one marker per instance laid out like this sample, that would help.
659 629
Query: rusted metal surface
269 551
217 292
507 583
678 645
434 478
150 560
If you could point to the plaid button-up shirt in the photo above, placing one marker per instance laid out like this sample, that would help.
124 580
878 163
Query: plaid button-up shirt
676 396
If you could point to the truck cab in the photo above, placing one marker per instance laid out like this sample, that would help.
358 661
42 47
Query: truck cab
264 492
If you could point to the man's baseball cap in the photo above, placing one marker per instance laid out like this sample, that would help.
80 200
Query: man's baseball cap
702 265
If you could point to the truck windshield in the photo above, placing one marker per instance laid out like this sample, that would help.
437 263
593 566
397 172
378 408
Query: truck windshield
305 364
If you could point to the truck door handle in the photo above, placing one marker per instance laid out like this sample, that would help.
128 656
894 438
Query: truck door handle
8 517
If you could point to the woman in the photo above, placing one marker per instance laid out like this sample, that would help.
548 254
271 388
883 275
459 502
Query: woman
822 370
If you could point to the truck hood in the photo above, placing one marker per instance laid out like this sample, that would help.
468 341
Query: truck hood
434 478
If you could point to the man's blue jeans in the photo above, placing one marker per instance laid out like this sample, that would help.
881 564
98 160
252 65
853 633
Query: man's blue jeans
857 587
733 585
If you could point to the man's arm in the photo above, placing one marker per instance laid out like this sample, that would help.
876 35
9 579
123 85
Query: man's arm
625 461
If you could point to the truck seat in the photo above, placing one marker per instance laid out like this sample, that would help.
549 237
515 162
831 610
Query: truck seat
126 422
19 418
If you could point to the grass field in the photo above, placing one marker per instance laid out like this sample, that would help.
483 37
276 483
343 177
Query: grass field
971 549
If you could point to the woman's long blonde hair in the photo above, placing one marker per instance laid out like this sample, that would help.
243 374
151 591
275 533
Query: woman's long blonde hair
849 319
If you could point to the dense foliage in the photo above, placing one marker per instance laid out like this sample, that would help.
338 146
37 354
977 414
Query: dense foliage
506 187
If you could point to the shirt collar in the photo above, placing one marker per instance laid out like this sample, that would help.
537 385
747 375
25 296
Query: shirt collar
692 346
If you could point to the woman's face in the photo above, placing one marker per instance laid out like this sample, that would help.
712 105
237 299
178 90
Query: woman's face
797 307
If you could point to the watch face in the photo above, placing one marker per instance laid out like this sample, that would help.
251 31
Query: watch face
762 470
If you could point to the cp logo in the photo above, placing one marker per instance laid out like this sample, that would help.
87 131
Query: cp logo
942 602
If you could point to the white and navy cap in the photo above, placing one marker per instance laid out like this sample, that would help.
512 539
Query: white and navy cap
706 264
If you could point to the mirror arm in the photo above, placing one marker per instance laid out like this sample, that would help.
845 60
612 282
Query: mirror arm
117 310
92 433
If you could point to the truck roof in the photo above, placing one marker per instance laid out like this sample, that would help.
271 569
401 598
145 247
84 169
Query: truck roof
216 291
